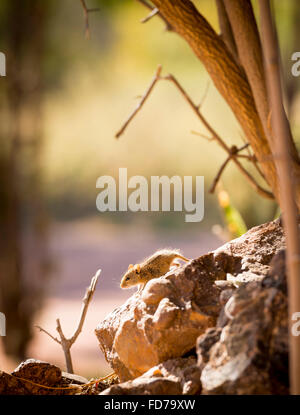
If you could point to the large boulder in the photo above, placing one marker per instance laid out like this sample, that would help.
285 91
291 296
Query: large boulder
249 355
161 323
164 321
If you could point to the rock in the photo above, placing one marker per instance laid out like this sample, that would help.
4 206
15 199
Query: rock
251 354
30 377
276 276
165 320
248 257
205 342
74 379
10 385
173 377
38 371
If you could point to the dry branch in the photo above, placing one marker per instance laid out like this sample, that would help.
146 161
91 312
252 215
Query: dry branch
86 12
141 103
196 108
66 343
154 11
234 152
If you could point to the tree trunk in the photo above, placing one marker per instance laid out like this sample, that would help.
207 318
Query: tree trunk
23 245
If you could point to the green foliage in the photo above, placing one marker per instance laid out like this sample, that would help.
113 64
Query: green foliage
234 222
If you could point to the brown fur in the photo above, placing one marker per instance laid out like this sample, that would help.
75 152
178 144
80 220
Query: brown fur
154 266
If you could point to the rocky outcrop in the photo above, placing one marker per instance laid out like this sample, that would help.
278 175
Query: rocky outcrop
161 323
217 325
180 376
164 321
248 258
250 354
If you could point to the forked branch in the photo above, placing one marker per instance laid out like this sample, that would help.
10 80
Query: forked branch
234 152
86 12
66 343
196 108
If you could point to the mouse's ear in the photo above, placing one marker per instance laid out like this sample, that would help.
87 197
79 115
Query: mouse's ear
137 268
130 266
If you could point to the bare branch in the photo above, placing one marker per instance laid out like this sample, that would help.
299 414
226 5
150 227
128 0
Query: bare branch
220 141
141 103
202 135
204 95
50 335
65 343
86 301
86 12
253 158
214 135
234 152
154 12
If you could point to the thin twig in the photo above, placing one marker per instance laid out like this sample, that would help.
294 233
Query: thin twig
202 135
142 101
204 95
253 158
66 343
154 12
85 303
234 152
86 12
49 334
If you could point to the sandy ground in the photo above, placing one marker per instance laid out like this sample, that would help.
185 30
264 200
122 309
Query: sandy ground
79 249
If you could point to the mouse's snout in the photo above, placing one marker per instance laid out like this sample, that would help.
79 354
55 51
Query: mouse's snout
122 285
125 281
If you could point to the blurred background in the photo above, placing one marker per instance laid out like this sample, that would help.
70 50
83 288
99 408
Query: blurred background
61 103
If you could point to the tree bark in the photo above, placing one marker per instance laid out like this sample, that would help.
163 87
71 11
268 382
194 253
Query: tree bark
248 42
228 77
226 30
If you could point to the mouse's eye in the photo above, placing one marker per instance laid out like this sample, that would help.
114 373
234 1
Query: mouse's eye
128 278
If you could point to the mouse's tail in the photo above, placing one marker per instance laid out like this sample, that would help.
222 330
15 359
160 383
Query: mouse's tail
182 257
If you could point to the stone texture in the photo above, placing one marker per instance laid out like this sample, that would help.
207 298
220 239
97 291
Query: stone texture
248 258
161 323
41 373
180 376
165 320
38 371
74 379
250 354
